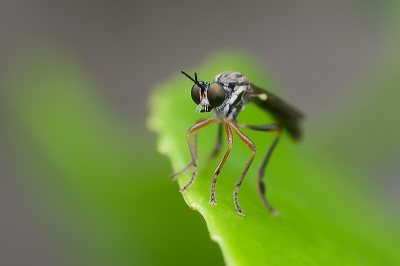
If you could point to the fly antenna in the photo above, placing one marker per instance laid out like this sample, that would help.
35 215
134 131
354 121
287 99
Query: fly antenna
194 80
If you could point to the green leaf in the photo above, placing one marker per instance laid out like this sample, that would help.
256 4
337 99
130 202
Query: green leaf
87 177
325 219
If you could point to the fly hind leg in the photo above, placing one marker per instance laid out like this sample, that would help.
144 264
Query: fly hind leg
260 173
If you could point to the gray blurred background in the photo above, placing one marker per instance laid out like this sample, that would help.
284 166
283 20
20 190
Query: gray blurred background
315 51
312 49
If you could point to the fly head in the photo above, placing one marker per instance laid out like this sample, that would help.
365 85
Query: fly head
207 96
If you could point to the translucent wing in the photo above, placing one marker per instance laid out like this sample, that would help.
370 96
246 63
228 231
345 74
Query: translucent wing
286 116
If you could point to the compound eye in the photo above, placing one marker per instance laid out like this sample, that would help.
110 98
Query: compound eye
196 94
215 94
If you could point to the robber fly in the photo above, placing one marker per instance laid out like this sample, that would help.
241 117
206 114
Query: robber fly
226 97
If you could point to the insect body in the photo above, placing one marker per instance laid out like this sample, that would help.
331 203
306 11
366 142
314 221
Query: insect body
226 97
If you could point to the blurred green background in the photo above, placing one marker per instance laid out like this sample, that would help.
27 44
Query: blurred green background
81 182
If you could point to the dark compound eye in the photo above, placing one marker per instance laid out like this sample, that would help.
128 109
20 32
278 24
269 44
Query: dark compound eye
215 94
196 93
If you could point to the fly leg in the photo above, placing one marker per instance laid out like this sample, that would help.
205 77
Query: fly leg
260 173
221 164
253 148
174 175
219 143
193 150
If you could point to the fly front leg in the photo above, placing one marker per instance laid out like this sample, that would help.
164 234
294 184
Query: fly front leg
193 150
174 175
221 164
253 148
260 173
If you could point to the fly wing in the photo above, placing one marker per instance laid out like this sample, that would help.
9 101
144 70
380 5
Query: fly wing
287 116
